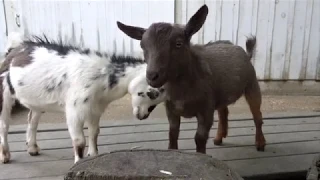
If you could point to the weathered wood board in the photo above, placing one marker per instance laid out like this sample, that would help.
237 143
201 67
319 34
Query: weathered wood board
292 144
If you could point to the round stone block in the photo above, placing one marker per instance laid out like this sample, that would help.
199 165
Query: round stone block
148 164
314 170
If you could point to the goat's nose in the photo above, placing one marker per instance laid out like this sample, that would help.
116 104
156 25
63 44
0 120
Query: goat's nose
152 76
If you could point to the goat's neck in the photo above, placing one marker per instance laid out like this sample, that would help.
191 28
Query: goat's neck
190 69
191 76
132 72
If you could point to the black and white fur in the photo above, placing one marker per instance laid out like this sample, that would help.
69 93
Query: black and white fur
79 82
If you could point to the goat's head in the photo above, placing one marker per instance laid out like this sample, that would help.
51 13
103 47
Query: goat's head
166 46
144 98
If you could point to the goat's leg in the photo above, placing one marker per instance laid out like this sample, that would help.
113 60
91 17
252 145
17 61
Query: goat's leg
33 121
75 122
222 131
7 103
253 97
205 122
174 127
93 132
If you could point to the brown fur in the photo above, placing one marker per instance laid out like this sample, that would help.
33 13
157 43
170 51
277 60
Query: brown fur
1 91
5 67
80 151
19 56
199 79
17 107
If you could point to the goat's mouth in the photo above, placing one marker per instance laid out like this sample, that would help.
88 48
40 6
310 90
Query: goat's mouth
158 82
142 117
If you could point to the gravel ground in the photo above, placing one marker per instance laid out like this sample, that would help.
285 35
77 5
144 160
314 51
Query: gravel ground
121 109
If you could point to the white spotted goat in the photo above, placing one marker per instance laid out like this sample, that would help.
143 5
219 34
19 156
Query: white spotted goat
48 76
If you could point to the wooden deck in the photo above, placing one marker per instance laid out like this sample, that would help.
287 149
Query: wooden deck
292 143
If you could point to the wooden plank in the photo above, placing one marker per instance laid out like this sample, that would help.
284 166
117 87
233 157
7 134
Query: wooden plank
286 138
297 39
227 21
36 169
25 12
12 8
263 29
192 8
218 19
126 12
43 178
272 150
102 25
210 24
138 13
118 35
134 122
232 140
3 35
307 29
230 155
279 40
313 65
184 12
245 21
245 168
225 152
255 6
270 32
88 25
290 25
76 31
116 130
109 20
235 21
289 164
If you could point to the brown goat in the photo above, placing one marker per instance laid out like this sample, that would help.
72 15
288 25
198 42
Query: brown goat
199 79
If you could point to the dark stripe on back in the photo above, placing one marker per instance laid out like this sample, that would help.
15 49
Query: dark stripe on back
118 65
9 84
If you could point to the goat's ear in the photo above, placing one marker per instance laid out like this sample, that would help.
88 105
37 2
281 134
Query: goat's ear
196 21
131 31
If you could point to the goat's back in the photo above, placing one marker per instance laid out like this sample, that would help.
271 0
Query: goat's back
231 69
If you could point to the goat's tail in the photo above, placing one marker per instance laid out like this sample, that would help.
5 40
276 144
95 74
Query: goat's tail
14 40
251 45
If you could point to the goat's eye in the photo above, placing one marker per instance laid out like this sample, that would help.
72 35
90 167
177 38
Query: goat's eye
179 44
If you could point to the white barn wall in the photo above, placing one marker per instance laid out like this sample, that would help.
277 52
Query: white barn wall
89 23
3 33
288 31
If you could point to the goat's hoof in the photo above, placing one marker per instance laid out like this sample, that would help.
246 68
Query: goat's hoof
34 153
4 156
260 146
33 150
5 159
92 154
76 160
217 142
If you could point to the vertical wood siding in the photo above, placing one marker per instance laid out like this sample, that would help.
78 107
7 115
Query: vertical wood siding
91 23
2 29
288 33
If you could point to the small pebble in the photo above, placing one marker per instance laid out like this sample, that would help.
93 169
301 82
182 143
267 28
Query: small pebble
166 172
136 147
